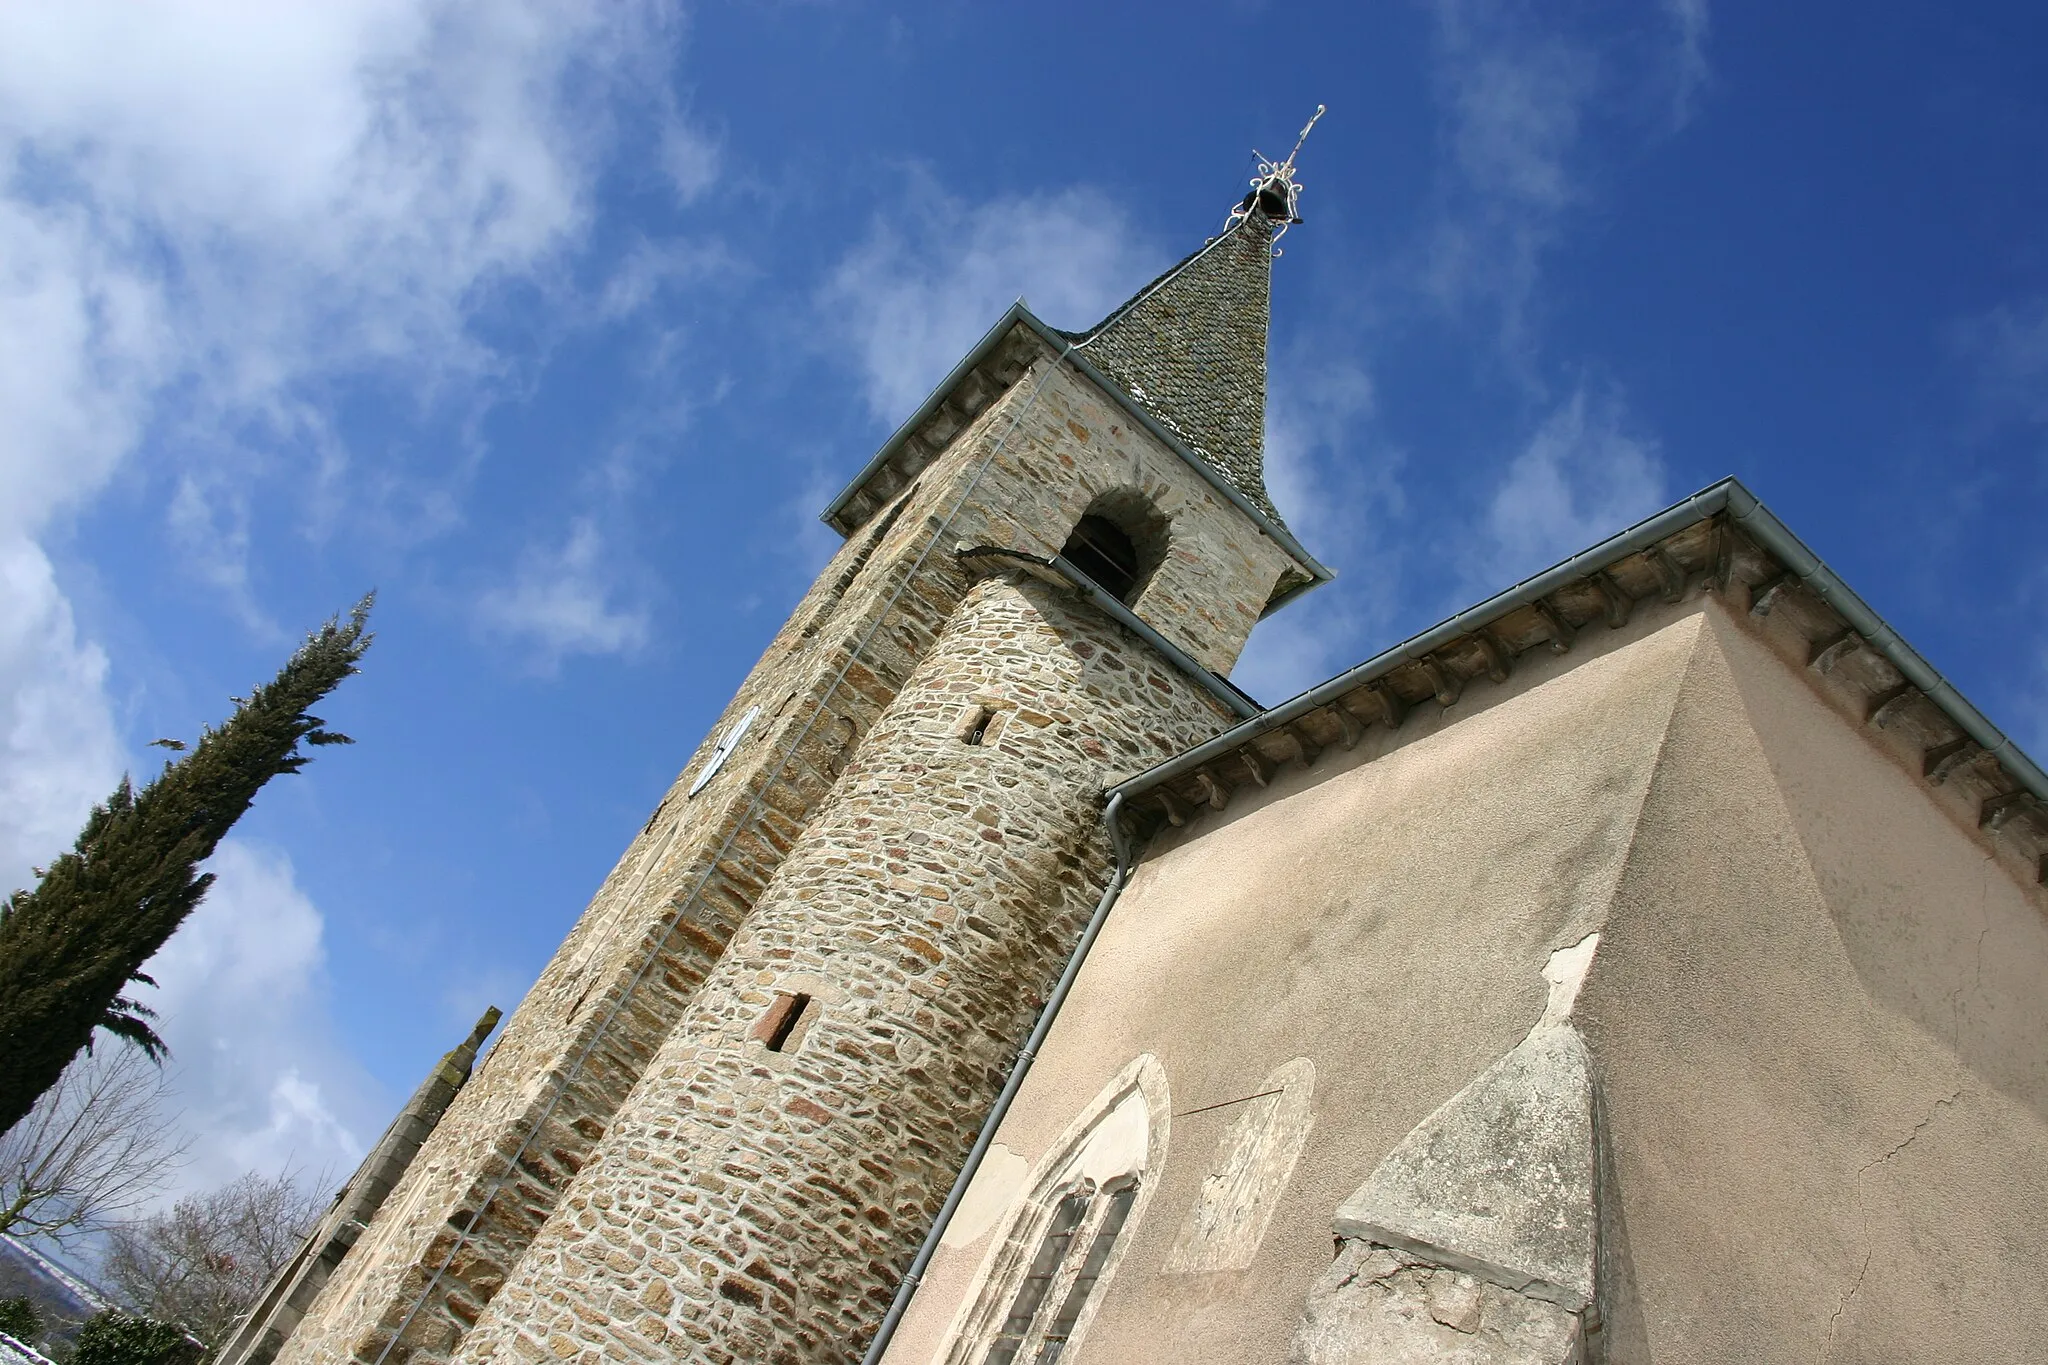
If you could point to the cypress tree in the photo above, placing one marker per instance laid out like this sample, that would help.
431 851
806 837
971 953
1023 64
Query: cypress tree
70 947
20 1319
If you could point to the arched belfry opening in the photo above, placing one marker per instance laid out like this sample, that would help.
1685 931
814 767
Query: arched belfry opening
1100 549
1118 542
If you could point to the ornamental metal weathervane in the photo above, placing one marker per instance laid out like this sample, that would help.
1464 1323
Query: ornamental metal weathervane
1275 192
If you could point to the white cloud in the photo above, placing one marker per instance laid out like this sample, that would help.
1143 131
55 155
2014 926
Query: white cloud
82 345
210 212
649 268
923 287
1516 101
58 749
1517 107
561 602
2008 349
208 519
242 1002
690 159
1339 488
1521 87
1584 475
1690 73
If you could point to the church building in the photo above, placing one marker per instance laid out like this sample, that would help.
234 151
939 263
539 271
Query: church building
1646 964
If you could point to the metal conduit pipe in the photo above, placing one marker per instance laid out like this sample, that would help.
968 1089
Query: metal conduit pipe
1022 1067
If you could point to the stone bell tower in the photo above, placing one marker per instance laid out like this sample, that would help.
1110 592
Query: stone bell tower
725 1116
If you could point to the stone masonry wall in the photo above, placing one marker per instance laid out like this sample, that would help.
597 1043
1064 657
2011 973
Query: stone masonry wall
631 939
760 1206
1077 445
497 1166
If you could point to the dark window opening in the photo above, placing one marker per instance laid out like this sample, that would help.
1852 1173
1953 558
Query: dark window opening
1101 549
780 1023
1083 1288
1052 1252
977 726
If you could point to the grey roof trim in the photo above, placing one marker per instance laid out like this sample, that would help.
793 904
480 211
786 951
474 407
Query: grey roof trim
982 350
1158 281
1746 512
1221 688
1063 346
1766 530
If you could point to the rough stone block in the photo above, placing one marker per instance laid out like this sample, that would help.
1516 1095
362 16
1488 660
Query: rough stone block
1498 1182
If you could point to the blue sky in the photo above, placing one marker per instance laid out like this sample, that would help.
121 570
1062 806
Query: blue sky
559 323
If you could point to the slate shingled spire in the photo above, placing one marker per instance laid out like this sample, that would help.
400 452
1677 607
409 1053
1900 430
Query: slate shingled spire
1191 349
1191 345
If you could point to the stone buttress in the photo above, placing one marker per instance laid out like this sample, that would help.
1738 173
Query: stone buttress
269 1322
723 1118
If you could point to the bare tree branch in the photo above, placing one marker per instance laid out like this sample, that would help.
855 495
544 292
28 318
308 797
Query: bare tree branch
203 1263
95 1146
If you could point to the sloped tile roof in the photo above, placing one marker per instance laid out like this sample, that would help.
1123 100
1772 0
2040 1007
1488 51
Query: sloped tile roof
1191 348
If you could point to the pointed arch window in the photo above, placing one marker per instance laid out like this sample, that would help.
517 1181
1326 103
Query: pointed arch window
1060 1283
1061 1243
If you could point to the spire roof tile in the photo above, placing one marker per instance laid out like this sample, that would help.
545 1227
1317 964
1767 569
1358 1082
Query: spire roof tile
1190 347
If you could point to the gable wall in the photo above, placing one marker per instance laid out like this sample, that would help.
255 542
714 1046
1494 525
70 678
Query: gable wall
1813 1013
1817 1016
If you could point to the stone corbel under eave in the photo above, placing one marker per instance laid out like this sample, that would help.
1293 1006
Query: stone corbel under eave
1473 1241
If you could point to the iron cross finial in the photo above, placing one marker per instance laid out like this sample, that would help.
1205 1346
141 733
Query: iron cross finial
1275 192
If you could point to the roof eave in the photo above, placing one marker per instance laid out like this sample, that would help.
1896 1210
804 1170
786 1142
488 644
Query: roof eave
1751 516
1063 346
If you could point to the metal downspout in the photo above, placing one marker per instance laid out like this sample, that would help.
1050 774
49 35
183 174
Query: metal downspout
982 1141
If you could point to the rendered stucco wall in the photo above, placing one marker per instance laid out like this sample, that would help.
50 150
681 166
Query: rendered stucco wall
1819 1017
1389 921
1814 1013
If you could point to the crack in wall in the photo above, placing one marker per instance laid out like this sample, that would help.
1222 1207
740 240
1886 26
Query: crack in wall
1863 1212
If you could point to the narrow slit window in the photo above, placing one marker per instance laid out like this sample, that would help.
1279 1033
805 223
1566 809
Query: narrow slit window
782 1020
977 725
1100 549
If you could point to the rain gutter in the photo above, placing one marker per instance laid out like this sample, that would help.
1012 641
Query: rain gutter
1773 535
1755 520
